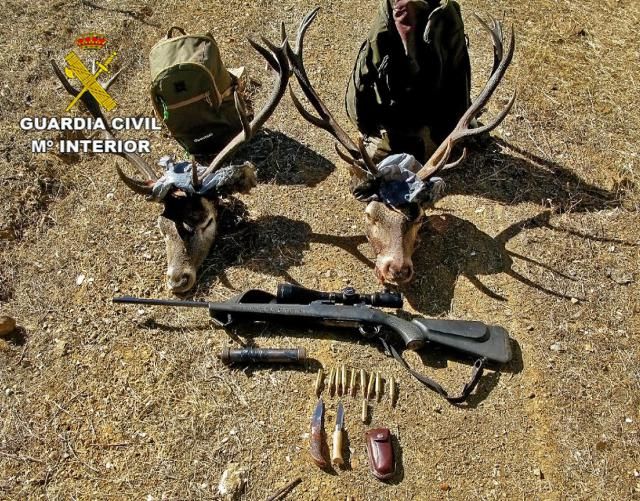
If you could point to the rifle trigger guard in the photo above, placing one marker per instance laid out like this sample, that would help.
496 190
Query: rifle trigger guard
369 331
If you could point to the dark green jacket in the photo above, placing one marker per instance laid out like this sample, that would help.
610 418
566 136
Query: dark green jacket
384 93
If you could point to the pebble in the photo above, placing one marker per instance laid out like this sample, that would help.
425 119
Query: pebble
232 481
61 348
556 347
7 325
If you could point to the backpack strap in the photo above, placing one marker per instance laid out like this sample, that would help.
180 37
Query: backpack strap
476 374
177 28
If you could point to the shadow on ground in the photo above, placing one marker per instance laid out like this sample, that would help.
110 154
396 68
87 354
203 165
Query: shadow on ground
282 160
490 172
452 247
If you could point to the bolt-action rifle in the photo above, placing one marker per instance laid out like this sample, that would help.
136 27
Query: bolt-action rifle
297 306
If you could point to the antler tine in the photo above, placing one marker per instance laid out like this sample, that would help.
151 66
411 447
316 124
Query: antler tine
365 157
494 27
136 186
359 157
94 108
438 160
277 59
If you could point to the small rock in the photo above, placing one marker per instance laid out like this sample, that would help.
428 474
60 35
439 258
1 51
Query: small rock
602 445
628 420
589 347
8 392
445 486
531 395
557 346
538 473
7 325
622 278
575 300
61 348
80 279
232 481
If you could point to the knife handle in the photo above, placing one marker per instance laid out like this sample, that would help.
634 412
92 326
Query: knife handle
317 447
336 454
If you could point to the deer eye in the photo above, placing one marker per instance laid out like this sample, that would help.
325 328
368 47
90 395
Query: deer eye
207 224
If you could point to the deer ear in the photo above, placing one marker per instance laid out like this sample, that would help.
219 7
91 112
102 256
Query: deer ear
432 192
365 190
228 180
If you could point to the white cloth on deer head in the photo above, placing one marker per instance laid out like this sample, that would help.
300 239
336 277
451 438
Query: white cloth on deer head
399 184
177 176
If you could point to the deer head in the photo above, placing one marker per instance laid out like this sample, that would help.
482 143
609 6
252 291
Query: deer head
189 192
398 189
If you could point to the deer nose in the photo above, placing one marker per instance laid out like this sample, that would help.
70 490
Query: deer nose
397 271
180 280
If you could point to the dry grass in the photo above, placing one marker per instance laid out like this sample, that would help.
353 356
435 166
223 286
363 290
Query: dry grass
104 402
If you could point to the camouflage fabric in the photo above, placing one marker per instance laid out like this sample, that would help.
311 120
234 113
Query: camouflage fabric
412 77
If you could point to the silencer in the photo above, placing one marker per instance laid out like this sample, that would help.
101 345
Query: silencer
263 356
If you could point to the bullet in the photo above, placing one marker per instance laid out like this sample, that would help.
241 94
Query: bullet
378 387
370 389
352 385
319 381
364 411
392 390
343 373
332 387
363 382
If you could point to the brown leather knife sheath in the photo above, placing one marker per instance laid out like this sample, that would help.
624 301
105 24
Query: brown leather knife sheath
318 450
380 451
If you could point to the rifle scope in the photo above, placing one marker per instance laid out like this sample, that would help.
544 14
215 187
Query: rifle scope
294 294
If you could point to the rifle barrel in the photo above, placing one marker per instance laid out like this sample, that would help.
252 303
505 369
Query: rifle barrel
160 302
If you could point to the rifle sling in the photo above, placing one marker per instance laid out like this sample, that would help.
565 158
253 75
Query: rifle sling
476 374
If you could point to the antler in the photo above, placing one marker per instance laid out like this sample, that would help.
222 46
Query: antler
277 59
354 155
92 105
438 161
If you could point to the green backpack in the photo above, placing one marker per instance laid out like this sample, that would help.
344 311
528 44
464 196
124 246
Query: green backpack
192 92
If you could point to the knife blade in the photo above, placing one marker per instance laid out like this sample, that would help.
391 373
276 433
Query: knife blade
316 440
336 456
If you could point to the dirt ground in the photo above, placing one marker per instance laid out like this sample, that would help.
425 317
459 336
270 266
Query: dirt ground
538 233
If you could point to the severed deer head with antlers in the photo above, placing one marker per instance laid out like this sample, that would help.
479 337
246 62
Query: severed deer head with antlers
190 192
391 226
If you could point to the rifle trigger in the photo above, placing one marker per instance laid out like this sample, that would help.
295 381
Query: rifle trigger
369 331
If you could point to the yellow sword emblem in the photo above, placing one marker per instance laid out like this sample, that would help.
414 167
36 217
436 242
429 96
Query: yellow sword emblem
76 69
